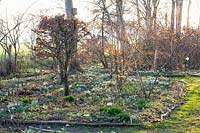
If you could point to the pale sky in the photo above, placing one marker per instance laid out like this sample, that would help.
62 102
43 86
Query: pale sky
14 7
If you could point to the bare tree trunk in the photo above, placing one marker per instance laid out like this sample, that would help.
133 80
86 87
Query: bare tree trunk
68 56
119 4
66 84
155 6
199 24
148 18
171 34
66 71
61 72
166 20
104 60
140 81
148 29
179 6
188 14
172 16
75 65
138 13
9 65
15 58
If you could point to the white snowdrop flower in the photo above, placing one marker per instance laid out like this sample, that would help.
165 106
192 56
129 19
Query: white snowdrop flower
11 116
61 89
86 115
67 125
109 104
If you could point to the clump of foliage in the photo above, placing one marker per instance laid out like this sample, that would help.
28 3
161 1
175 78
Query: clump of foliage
25 100
70 98
141 103
4 99
103 109
115 111
15 108
112 111
164 84
133 119
3 113
124 117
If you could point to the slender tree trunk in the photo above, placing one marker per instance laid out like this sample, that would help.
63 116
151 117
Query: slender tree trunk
199 25
61 72
140 81
75 65
66 84
166 20
119 29
148 18
138 13
172 16
121 33
104 60
179 6
188 14
9 66
148 29
171 35
66 71
70 51
67 62
15 54
155 5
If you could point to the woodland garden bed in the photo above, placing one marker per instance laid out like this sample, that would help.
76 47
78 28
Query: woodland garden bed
93 99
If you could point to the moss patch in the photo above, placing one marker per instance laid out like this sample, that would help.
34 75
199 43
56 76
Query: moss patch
187 117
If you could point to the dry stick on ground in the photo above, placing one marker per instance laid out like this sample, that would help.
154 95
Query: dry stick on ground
44 130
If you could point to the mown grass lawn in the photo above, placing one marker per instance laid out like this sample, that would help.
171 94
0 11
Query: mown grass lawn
187 117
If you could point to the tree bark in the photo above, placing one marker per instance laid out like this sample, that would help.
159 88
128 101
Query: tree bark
104 60
188 14
15 57
155 6
172 16
9 68
66 84
172 35
66 70
148 18
70 51
138 13
179 7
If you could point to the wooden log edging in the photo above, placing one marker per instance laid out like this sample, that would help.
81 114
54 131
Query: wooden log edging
27 123
167 114
194 74
67 123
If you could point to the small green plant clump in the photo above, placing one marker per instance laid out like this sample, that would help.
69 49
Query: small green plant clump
70 98
103 109
25 100
141 103
4 99
110 110
124 117
114 111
